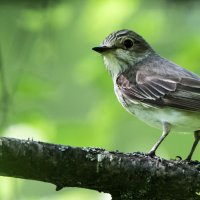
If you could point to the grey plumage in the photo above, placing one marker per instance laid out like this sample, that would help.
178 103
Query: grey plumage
162 86
156 90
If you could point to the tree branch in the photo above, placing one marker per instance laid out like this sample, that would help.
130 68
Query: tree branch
124 176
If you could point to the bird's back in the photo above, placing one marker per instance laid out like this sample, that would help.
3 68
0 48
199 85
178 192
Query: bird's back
155 64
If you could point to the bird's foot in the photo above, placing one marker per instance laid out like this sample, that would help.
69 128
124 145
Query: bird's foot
187 160
178 158
151 154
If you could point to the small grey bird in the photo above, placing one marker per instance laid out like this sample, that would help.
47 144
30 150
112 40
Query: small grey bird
154 89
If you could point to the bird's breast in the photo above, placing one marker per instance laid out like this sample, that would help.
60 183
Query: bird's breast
125 102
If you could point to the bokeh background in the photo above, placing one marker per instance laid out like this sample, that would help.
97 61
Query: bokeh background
54 88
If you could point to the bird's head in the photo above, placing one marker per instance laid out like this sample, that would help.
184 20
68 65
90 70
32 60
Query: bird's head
122 49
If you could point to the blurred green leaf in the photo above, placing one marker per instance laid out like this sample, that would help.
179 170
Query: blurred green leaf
59 89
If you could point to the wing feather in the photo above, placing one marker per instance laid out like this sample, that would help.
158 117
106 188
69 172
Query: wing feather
183 93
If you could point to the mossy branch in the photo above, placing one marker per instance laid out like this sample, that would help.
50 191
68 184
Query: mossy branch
124 176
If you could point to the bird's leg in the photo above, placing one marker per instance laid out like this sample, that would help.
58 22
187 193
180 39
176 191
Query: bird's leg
197 138
166 130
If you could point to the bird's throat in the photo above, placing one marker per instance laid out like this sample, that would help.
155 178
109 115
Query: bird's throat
114 65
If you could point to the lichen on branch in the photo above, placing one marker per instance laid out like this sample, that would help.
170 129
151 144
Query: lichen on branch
125 176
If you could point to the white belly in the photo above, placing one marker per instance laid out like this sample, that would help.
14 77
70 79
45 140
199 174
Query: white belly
180 120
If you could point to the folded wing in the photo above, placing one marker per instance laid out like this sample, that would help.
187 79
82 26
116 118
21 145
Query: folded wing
181 93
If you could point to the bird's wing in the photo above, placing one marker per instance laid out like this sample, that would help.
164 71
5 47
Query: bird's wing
181 93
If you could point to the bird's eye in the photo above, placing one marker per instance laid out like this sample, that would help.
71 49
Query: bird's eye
128 43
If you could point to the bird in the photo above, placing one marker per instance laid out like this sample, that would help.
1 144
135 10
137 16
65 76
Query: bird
157 91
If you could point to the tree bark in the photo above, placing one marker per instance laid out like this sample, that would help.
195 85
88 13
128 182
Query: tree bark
125 176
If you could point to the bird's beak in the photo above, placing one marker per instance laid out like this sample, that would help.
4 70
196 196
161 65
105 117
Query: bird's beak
101 49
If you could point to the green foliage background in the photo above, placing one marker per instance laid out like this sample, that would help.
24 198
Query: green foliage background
59 90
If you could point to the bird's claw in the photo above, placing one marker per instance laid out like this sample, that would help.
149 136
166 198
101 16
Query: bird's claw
178 158
151 154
